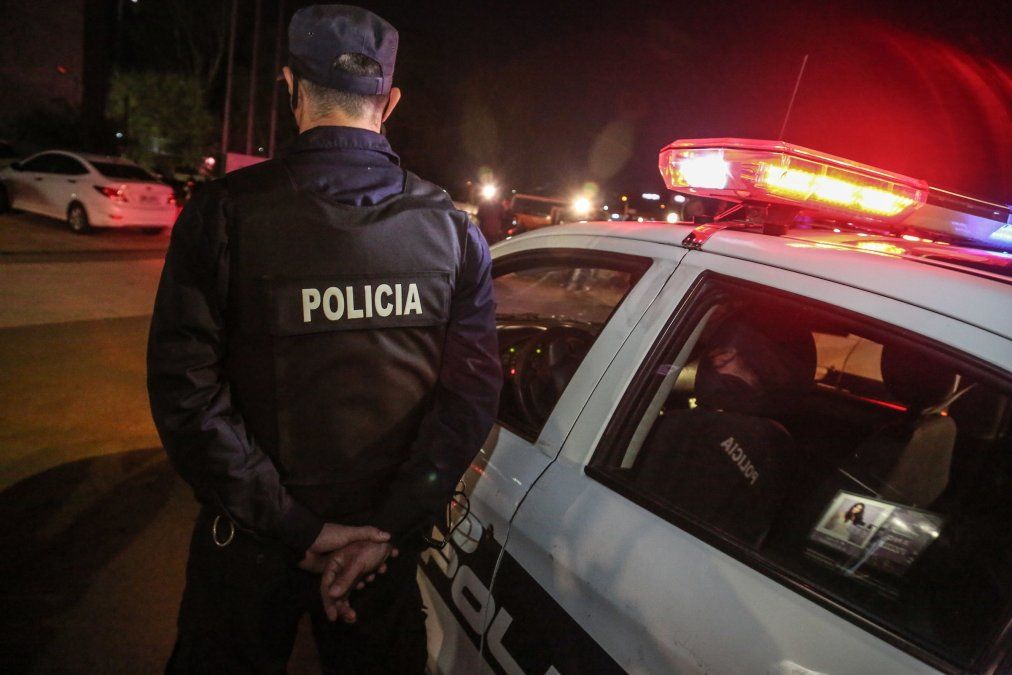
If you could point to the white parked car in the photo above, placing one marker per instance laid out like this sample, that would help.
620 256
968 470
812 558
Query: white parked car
88 191
777 442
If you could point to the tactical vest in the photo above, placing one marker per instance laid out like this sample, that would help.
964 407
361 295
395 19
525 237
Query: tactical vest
336 319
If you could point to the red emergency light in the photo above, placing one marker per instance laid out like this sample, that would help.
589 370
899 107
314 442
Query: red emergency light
774 172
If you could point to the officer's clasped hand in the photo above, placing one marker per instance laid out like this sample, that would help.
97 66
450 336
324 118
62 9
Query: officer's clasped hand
351 568
334 537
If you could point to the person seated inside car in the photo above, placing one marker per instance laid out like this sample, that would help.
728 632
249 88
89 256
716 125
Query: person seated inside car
726 462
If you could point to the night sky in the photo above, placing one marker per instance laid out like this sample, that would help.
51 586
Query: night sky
551 95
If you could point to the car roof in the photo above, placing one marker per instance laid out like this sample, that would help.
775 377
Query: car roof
87 156
105 159
934 276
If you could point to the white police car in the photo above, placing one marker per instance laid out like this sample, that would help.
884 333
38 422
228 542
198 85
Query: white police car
780 442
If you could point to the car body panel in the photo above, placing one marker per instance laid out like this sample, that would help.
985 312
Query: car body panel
657 599
24 188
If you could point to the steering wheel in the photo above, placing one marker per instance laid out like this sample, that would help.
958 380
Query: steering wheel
544 367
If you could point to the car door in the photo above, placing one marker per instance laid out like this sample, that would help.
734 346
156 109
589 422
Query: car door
63 184
582 303
669 561
27 185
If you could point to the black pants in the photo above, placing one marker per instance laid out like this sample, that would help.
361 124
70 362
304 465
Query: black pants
243 602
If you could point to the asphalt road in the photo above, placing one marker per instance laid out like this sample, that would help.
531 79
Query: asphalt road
94 524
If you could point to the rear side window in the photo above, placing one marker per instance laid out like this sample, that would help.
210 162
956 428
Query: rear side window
865 467
122 171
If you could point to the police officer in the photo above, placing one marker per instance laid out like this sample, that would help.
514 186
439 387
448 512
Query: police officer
322 368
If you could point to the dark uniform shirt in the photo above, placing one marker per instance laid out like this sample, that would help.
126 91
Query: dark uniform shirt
205 434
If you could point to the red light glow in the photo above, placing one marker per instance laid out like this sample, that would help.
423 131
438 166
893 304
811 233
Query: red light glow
738 169
113 193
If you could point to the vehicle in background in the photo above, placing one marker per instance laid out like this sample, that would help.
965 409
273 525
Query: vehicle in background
88 191
531 212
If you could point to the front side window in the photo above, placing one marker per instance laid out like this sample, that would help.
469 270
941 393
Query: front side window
875 467
549 311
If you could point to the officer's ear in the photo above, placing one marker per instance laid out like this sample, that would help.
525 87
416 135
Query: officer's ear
293 90
395 98
289 77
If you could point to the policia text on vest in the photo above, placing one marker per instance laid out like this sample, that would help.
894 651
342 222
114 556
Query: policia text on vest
356 303
335 299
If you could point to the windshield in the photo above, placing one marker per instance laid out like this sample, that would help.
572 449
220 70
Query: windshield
122 171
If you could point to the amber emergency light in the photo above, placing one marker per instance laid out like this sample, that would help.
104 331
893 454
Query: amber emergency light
775 172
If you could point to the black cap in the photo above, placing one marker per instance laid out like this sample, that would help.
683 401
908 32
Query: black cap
319 34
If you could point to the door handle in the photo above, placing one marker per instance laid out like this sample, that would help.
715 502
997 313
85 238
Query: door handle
38 178
71 180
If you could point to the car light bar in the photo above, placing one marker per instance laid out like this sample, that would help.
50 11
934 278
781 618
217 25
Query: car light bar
964 218
780 173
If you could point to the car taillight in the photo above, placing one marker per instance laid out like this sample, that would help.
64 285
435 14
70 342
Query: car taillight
776 172
113 193
171 201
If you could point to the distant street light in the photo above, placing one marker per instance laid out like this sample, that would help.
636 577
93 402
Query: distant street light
489 191
581 206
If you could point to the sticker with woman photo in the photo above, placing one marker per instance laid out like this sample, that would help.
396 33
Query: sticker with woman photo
851 520
873 535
